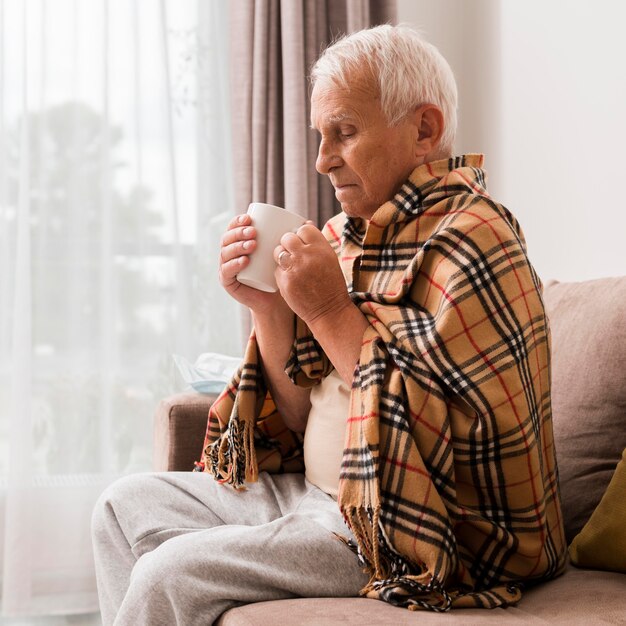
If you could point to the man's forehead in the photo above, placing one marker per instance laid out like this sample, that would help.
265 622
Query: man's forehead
329 118
340 116
332 104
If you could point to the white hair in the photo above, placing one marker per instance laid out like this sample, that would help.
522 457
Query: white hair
408 70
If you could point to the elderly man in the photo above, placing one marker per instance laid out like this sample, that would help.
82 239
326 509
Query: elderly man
408 342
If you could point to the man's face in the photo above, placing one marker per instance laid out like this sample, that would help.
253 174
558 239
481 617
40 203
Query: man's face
366 159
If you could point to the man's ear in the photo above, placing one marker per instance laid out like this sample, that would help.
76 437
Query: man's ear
430 125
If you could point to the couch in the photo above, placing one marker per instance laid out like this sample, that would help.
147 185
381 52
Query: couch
588 323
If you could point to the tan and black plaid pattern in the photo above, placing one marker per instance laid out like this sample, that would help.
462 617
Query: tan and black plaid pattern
449 479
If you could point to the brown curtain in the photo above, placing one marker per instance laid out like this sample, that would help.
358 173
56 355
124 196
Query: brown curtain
274 43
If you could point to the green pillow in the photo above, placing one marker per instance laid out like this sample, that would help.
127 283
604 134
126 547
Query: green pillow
601 544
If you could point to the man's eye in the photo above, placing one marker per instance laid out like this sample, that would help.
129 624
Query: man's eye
345 134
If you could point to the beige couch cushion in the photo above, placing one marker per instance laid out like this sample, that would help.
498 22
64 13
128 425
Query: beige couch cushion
579 598
588 322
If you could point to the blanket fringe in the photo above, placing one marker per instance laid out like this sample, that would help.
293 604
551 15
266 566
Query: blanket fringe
364 525
233 456
389 577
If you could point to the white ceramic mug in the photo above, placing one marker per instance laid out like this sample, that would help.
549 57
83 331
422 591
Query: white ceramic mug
271 223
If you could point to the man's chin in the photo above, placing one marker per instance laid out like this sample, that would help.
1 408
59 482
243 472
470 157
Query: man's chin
347 200
348 209
354 209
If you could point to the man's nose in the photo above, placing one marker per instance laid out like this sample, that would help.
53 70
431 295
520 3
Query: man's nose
327 158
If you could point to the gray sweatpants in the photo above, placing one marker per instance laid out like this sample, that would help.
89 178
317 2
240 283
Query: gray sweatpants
179 548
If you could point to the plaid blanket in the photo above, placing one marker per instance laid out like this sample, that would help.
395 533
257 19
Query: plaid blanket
449 478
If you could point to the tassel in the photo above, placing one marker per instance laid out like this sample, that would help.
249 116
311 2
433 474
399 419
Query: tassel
233 456
251 466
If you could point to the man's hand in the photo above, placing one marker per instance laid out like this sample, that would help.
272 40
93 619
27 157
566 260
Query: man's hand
273 322
310 280
309 276
238 242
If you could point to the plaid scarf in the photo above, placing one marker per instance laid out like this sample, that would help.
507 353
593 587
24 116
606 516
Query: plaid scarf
449 478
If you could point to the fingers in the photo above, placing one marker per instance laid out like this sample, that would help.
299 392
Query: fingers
294 243
239 239
309 233
291 242
306 234
237 231
282 257
243 219
236 244
242 243
229 269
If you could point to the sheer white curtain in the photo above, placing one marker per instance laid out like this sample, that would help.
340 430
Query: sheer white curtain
115 175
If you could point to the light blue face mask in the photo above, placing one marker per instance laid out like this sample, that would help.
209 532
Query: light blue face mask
210 373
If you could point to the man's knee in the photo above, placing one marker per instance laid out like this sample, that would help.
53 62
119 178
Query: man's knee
112 500
160 572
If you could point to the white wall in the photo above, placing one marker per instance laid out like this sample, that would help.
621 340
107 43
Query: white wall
542 92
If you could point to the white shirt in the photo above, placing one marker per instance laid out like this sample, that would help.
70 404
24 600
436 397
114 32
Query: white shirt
324 437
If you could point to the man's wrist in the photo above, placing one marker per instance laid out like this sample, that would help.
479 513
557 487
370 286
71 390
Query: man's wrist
330 312
344 314
340 333
278 313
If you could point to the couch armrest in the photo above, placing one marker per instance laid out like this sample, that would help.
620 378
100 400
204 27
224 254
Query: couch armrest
179 428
